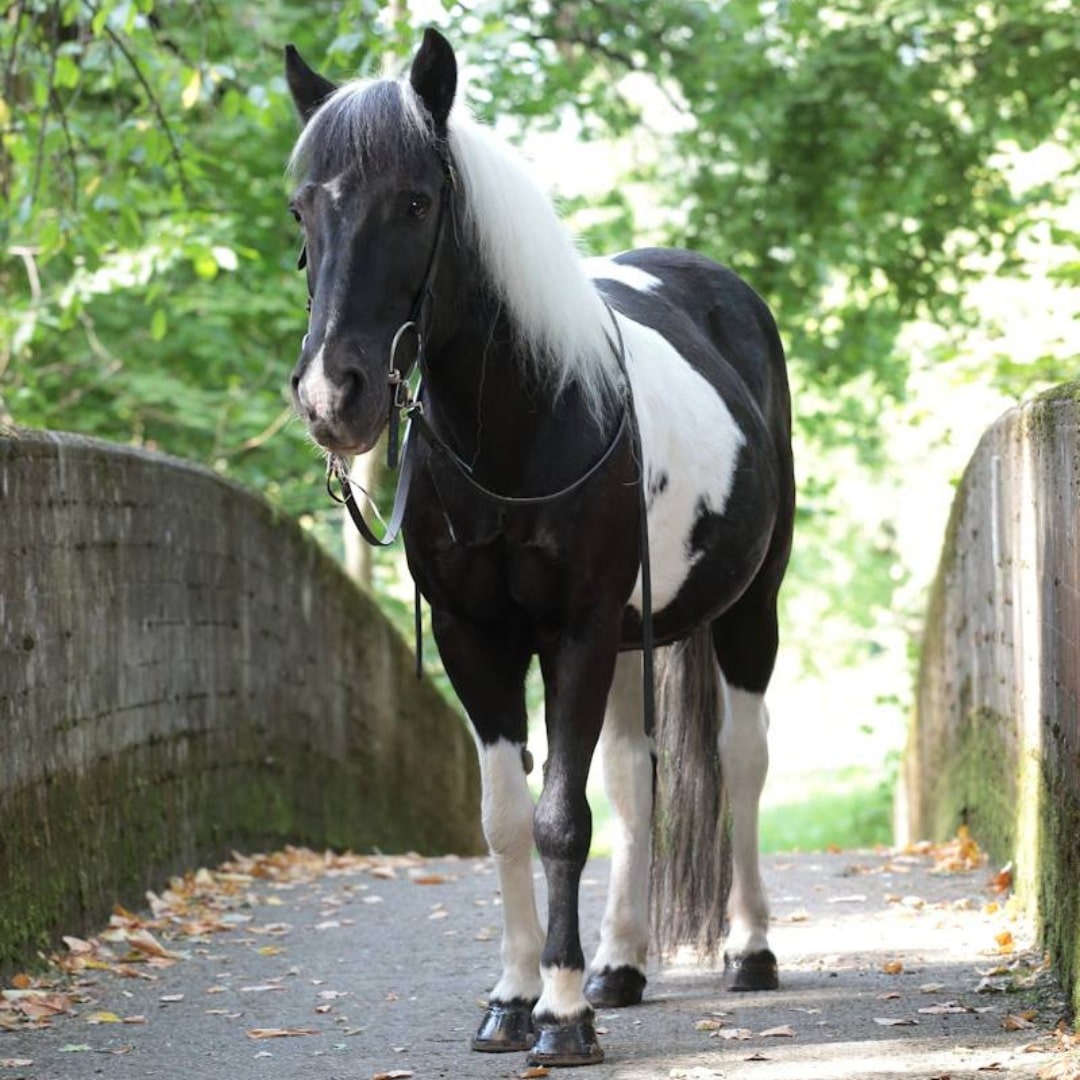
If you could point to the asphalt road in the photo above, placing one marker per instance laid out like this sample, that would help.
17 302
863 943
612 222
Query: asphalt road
379 967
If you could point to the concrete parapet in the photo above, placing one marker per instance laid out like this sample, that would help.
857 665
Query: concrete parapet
995 741
183 672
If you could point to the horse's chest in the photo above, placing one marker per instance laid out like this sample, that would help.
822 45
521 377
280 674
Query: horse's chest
518 570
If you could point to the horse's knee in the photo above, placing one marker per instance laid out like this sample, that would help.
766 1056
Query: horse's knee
562 829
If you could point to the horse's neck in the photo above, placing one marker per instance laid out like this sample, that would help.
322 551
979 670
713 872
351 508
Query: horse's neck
489 404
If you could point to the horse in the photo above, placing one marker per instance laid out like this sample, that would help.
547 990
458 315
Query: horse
582 421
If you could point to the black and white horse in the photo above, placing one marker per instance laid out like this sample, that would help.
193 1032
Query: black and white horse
427 240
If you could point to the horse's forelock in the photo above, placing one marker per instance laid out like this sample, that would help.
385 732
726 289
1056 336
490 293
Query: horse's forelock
364 126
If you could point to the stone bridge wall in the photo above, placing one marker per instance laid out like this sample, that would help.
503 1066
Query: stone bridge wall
996 736
183 672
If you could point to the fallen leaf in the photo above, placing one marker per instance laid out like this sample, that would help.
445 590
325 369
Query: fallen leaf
737 1034
889 995
74 1048
945 1008
783 1031
1013 1022
280 1033
145 942
393 1074
759 1056
167 998
262 988
708 1023
534 1071
893 967
1005 941
993 1066
433 879
931 988
15 1063
21 981
895 1021
104 1018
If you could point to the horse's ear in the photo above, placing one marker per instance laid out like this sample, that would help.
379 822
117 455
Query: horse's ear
309 89
434 76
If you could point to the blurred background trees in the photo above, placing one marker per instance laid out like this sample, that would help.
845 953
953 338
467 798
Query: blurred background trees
898 180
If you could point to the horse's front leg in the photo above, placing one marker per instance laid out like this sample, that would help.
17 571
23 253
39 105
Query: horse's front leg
577 672
488 672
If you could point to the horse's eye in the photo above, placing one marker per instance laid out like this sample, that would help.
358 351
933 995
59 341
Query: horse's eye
419 205
296 214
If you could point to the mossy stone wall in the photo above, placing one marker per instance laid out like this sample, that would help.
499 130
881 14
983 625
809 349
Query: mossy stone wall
183 673
995 741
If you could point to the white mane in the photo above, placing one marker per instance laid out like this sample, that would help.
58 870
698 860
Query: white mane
559 318
533 264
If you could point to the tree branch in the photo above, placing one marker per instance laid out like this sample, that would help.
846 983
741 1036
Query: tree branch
151 97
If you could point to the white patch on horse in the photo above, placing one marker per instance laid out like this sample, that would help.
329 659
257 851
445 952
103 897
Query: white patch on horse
689 436
507 815
626 757
563 996
334 186
744 757
608 269
315 390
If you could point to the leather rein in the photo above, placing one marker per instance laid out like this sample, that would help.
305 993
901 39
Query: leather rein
404 401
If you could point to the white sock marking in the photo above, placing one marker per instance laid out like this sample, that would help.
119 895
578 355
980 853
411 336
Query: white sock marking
744 754
563 996
507 814
627 763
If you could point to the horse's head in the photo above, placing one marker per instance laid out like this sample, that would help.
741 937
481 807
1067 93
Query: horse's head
373 198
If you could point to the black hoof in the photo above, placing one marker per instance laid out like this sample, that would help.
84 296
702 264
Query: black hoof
615 988
751 971
507 1026
572 1042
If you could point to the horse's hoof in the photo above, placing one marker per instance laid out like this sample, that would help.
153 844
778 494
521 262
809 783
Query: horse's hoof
751 971
572 1042
507 1026
615 988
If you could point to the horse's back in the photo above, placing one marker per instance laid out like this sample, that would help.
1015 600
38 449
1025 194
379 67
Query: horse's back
669 287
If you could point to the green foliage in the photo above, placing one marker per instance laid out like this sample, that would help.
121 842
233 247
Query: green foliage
148 261
852 160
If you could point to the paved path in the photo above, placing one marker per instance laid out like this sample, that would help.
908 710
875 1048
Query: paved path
888 970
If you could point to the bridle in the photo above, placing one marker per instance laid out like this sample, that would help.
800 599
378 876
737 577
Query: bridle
404 401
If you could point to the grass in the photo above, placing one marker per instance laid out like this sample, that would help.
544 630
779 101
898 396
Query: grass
845 808
849 808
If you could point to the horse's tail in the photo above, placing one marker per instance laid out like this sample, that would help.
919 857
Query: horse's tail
691 855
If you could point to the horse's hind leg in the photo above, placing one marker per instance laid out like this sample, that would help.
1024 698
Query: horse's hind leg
745 639
618 968
488 673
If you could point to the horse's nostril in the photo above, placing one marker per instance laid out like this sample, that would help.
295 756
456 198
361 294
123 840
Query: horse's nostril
353 384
